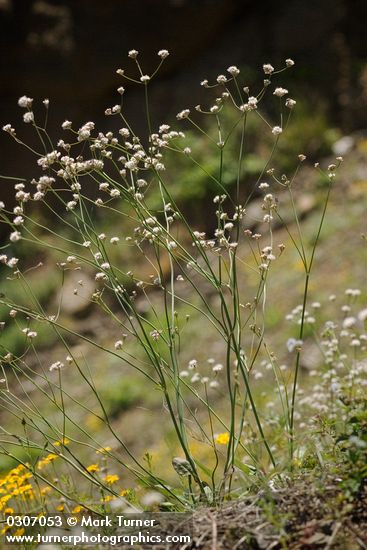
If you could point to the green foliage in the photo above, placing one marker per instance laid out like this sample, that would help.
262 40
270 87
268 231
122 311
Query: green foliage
122 394
44 283
351 439
308 132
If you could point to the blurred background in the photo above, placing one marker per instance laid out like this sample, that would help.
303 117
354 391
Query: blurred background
69 51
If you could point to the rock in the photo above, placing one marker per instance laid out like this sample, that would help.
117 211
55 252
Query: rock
76 304
343 146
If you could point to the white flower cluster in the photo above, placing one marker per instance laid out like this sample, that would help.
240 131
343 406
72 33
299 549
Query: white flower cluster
10 262
85 131
251 104
25 102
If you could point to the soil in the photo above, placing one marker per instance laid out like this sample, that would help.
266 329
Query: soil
303 514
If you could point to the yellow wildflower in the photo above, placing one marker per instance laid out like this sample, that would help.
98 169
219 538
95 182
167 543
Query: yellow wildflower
60 508
51 457
111 478
41 464
92 468
63 441
103 450
107 498
25 476
222 439
17 469
45 461
23 489
77 509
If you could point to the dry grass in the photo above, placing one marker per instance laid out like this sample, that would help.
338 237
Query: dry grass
304 514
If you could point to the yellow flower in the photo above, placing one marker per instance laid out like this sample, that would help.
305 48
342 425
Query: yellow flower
17 469
9 511
111 478
45 490
51 457
103 450
77 509
19 532
45 461
60 508
222 439
25 476
92 468
107 498
23 489
64 441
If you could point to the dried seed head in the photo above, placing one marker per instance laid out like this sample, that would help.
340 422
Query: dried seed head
182 466
163 54
25 102
267 68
